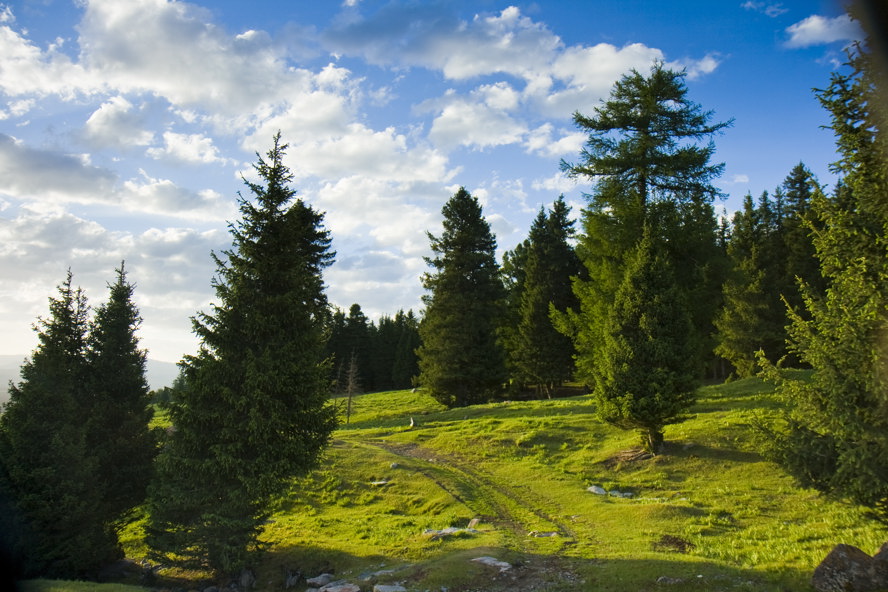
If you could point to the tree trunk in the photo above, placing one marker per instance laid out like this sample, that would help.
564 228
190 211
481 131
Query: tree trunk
653 441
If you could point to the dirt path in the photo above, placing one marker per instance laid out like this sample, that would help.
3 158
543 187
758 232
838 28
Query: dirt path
513 510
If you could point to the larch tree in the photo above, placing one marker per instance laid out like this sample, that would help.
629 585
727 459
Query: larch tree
648 150
461 361
255 410
834 436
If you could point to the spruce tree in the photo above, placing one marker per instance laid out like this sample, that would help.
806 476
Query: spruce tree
117 426
461 361
405 367
255 410
651 169
648 373
538 352
49 470
835 435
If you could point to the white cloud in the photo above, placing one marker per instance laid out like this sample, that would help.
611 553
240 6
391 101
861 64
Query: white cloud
28 173
697 68
116 124
188 149
820 30
26 69
468 123
739 178
163 197
769 9
558 183
539 141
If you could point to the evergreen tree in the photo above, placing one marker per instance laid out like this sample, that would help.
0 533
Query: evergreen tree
47 466
540 354
648 374
651 171
460 360
405 366
752 318
835 437
255 410
117 426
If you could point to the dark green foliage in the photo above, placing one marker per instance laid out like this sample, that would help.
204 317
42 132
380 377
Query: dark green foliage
117 429
836 430
47 466
254 412
460 360
647 374
386 351
651 170
538 353
771 250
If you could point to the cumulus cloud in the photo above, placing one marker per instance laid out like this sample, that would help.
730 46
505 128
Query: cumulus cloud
468 123
540 141
29 173
116 123
171 268
820 30
188 149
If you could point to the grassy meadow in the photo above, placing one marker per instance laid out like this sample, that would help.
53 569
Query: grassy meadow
710 514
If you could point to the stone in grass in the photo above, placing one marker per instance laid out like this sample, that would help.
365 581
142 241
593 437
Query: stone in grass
389 588
340 586
597 490
321 580
494 562
848 569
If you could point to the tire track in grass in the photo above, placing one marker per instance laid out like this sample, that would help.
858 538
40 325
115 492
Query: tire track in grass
509 510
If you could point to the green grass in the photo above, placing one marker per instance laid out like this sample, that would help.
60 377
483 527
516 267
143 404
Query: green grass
711 511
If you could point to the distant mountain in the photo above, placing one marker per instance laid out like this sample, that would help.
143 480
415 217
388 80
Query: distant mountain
159 374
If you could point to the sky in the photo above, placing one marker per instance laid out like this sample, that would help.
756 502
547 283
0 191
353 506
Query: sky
127 128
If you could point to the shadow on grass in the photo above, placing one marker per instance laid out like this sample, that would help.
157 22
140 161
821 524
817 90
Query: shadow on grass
677 450
457 572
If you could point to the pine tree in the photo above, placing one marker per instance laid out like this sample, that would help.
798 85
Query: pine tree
405 366
48 467
117 426
650 170
461 361
255 410
835 437
648 373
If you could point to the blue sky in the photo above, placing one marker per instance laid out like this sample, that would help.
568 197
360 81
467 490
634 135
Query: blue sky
125 126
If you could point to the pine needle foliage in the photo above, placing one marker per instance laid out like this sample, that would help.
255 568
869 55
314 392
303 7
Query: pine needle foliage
254 412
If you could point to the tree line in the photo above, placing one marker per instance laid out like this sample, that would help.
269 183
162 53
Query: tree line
651 295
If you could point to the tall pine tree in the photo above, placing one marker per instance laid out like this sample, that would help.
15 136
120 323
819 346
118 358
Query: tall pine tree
255 410
461 361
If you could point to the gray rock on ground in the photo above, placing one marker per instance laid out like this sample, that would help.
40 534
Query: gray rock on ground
848 569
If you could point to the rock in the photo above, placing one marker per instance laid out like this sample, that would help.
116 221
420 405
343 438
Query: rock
321 580
340 586
534 533
389 588
494 562
291 578
597 490
666 580
848 569
247 579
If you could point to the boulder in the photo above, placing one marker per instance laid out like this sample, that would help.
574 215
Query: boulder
848 569
389 588
597 490
321 580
